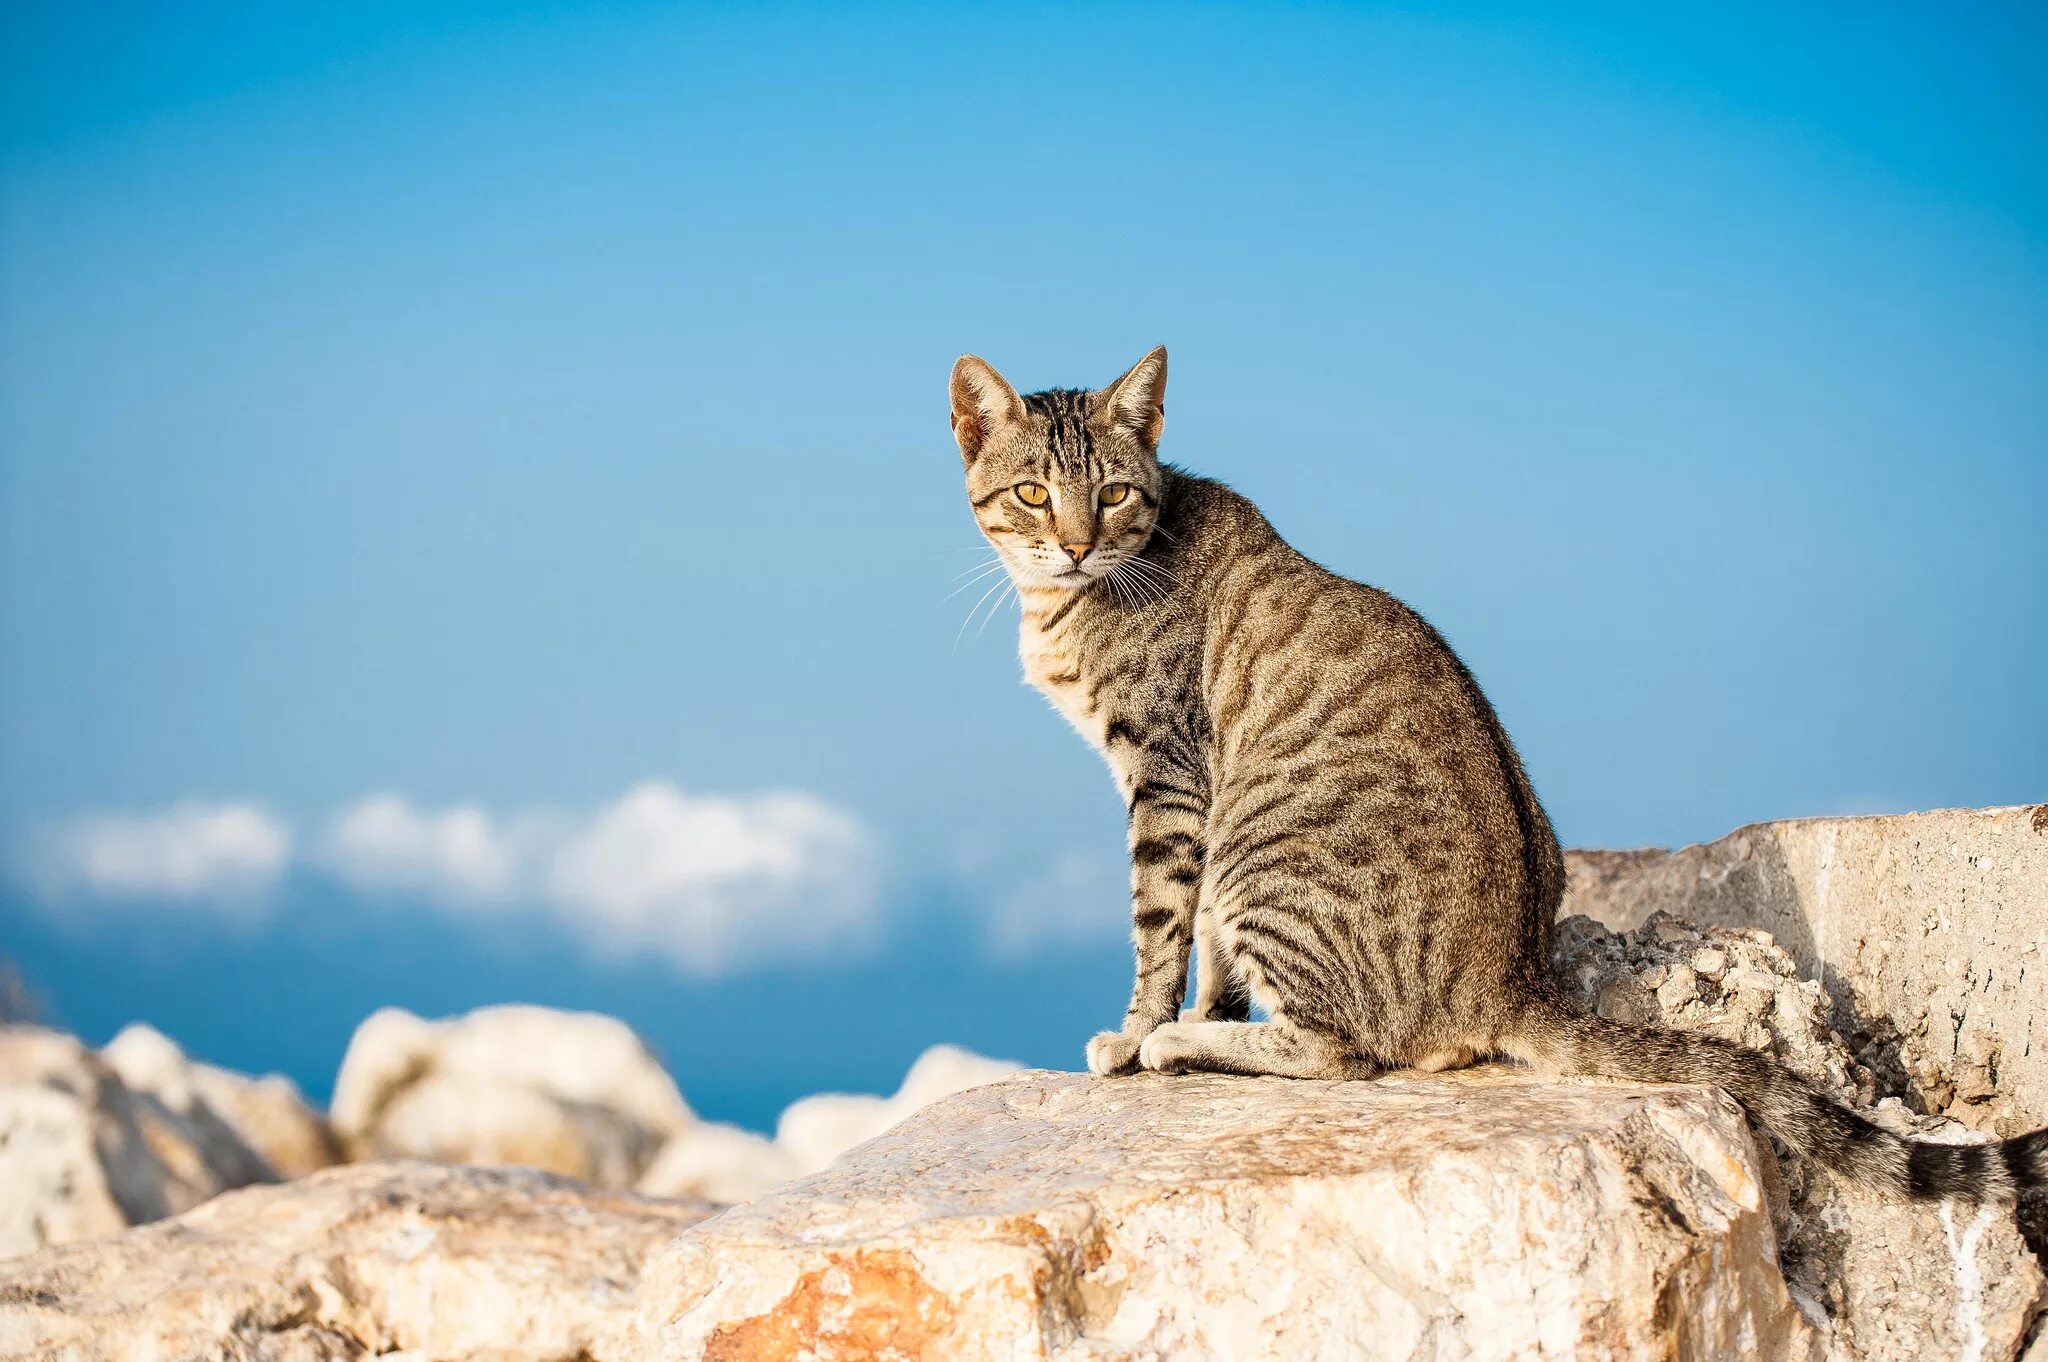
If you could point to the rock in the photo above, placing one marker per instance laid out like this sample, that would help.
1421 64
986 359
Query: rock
83 1156
1897 1283
717 1162
1478 1214
815 1130
431 1263
267 1114
573 1093
1930 929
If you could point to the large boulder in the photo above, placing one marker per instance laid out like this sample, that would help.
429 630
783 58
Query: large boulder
82 1155
1930 930
1481 1214
436 1264
267 1114
573 1093
1893 1281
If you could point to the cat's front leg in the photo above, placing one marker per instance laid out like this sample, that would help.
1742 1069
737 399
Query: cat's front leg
1167 814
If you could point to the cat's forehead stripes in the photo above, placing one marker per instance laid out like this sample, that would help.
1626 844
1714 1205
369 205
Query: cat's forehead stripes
1068 440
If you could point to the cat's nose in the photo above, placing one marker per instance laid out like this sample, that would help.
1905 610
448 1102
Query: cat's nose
1077 551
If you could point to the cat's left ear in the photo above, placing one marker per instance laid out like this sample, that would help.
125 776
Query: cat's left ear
1137 402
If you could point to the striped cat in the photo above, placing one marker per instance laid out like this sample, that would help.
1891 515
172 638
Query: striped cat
1322 804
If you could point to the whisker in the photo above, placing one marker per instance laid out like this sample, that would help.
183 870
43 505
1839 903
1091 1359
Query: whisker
980 575
971 611
1159 578
1001 601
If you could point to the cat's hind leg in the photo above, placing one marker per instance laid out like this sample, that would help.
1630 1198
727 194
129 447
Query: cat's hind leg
1269 1047
1219 994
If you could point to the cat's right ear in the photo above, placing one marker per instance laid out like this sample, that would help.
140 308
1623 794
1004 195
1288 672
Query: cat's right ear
982 401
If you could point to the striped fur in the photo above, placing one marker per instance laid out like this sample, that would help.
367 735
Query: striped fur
1323 807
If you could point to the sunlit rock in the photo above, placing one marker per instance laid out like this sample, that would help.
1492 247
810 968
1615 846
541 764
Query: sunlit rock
574 1093
266 1114
82 1155
427 1263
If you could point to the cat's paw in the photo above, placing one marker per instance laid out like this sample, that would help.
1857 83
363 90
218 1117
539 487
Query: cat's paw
1195 1014
1167 1050
1114 1052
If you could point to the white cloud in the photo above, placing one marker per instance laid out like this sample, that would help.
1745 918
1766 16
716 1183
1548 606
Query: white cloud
386 845
705 881
226 854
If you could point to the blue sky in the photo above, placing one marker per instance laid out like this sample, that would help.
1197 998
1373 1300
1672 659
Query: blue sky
506 409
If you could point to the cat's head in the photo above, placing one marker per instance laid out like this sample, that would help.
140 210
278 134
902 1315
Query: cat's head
1064 483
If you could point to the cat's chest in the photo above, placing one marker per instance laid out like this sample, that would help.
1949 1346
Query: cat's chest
1056 657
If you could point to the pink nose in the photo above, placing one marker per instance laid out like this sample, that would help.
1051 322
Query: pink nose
1077 551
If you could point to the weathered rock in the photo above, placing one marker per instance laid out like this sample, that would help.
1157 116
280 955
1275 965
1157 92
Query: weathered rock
1480 1214
574 1093
267 1114
370 1260
82 1156
1898 1282
1929 929
815 1130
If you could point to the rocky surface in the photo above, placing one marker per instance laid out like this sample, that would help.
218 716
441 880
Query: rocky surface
1930 931
266 1115
428 1263
82 1154
1480 1214
573 1093
1893 1281
1477 1214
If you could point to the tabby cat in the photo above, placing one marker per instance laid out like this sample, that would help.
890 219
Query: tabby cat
1322 804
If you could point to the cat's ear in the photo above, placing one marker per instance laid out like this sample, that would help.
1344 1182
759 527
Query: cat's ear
1137 402
982 400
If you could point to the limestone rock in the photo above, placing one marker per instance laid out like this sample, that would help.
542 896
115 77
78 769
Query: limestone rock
568 1092
1898 1282
1931 930
82 1156
267 1114
1480 1214
425 1262
815 1130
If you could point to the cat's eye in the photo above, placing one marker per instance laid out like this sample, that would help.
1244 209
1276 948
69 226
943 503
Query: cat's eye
1113 493
1031 494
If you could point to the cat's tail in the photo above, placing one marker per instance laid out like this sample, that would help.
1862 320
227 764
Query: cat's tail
1557 1037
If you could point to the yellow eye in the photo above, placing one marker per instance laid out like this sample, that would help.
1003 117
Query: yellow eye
1114 493
1031 494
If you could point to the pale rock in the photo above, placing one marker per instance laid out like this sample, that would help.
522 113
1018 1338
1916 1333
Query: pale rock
1929 928
1897 1283
574 1093
815 1130
81 1155
1474 1215
267 1114
411 1261
717 1162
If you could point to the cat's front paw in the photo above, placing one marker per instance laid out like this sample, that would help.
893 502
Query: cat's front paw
1114 1052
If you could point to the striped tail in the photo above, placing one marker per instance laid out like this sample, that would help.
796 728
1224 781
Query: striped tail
1558 1038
